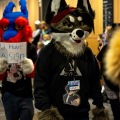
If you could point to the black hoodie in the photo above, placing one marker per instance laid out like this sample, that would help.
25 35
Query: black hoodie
52 76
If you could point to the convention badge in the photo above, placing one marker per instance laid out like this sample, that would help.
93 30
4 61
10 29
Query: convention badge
71 96
74 85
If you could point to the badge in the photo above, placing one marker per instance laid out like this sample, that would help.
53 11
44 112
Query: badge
74 85
71 97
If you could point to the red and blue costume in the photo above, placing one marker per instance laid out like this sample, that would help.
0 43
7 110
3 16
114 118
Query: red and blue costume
16 77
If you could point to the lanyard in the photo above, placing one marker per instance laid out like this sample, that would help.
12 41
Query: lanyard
75 66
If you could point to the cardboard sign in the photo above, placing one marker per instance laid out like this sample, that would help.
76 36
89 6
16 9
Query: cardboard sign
13 52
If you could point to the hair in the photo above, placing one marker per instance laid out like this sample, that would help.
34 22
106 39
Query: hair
114 25
40 44
100 35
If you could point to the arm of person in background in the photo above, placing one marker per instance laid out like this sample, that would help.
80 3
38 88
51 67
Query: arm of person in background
36 33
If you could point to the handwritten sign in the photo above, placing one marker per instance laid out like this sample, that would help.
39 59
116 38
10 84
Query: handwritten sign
107 13
13 52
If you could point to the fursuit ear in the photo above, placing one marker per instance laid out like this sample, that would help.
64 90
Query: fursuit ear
11 5
8 8
53 8
24 7
87 5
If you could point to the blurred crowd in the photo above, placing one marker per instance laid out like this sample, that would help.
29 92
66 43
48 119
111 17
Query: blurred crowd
41 35
110 90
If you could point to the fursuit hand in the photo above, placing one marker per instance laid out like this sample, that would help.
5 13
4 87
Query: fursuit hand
100 114
50 114
27 66
3 65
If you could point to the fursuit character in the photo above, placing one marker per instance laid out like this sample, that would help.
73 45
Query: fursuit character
16 77
67 73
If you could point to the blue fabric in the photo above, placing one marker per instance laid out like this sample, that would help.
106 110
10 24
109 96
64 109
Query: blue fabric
17 108
11 5
9 34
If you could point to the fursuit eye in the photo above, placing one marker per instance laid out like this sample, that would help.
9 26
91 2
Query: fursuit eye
64 23
18 27
4 28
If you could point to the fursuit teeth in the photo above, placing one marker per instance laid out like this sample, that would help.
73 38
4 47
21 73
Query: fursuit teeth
112 59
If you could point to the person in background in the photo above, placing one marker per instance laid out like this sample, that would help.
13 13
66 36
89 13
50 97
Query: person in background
47 39
40 45
100 42
111 90
36 33
104 35
45 30
100 45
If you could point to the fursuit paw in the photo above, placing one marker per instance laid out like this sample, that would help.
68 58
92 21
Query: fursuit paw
3 65
50 114
27 66
100 114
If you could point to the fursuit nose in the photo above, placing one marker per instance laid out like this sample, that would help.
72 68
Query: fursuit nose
80 33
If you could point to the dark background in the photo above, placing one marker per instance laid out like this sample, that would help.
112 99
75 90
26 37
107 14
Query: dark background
107 13
44 7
